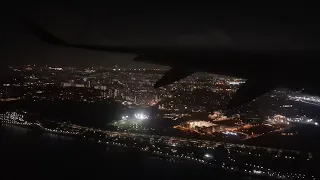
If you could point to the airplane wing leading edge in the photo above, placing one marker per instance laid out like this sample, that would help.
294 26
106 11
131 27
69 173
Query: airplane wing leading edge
171 76
49 38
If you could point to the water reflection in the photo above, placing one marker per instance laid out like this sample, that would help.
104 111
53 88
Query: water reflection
59 156
14 129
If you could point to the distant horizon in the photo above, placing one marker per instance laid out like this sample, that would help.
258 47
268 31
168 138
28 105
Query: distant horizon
143 66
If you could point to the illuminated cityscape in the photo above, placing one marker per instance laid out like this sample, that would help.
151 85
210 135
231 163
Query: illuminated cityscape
104 90
305 99
200 151
182 122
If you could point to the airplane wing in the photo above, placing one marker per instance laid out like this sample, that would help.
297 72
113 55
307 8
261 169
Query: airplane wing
49 38
249 91
171 76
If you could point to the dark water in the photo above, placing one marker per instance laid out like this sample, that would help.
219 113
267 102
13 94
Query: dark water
25 154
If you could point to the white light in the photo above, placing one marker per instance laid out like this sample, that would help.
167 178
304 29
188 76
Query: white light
140 116
231 133
257 172
207 155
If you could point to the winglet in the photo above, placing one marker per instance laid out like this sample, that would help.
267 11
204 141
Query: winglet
43 34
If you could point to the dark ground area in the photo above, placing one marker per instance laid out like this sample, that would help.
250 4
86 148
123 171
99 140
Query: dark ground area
47 156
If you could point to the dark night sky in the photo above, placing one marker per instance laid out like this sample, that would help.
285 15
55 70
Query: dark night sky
156 25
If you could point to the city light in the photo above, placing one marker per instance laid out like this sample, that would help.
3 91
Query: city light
141 116
125 117
314 100
229 133
257 171
196 104
208 156
279 119
160 148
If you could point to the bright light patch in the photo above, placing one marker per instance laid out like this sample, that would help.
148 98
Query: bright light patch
207 156
140 116
229 133
125 117
257 171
